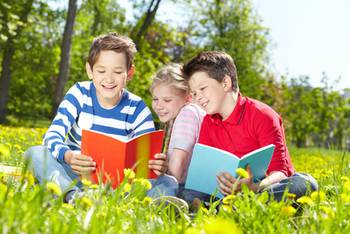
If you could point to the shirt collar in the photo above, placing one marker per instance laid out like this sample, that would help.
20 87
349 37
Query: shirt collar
236 116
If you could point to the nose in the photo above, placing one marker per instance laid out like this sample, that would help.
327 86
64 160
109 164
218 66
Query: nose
109 77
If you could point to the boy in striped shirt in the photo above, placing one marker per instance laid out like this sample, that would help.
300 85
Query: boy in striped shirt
102 104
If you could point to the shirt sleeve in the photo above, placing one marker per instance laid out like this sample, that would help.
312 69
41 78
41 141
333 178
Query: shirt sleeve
204 136
270 131
143 119
185 130
67 114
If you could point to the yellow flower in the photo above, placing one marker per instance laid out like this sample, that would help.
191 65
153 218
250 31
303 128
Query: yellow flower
305 200
345 179
4 150
204 210
86 202
291 196
288 211
94 186
127 188
129 173
227 208
345 198
228 199
101 215
221 226
147 200
144 182
318 196
53 188
327 212
67 206
86 182
193 230
242 173
30 179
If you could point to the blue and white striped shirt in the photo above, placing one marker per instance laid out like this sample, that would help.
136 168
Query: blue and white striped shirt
80 109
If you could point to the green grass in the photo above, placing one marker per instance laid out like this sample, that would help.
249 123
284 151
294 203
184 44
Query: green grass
29 208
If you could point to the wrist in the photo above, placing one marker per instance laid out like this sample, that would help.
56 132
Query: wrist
68 156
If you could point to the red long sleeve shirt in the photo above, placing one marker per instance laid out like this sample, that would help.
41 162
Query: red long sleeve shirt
251 125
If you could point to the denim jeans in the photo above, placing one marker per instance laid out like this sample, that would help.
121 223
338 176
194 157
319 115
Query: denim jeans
47 168
299 184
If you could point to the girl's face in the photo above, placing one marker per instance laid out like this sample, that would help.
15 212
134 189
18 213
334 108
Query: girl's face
167 102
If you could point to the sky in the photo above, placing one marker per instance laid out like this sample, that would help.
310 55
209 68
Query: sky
307 37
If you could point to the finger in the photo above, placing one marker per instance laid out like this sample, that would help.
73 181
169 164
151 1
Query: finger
223 188
229 177
82 157
81 169
161 168
160 156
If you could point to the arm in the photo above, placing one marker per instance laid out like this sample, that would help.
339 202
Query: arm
66 116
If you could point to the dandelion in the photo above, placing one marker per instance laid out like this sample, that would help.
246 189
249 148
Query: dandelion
318 196
144 182
129 173
86 182
221 226
305 200
327 212
4 150
147 200
345 198
193 230
101 215
345 179
291 196
227 208
53 188
228 199
242 173
204 210
68 206
94 186
86 202
127 188
288 211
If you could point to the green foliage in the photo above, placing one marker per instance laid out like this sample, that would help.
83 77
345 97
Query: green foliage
29 208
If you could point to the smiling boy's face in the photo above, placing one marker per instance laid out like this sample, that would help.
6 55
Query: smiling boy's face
208 92
109 75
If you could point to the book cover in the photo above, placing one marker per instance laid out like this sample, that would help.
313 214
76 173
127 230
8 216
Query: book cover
208 161
112 156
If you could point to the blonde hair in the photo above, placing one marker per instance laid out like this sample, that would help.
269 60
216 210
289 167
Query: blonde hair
171 75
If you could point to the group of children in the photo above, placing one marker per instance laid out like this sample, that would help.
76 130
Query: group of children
199 102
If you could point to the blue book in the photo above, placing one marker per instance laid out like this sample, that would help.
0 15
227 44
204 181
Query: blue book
208 161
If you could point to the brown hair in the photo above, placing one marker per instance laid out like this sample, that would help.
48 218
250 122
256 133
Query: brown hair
171 74
216 64
115 42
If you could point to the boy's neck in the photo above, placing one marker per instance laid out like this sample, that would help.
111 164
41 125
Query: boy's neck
229 104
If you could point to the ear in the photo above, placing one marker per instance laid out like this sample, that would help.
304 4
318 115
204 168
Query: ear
88 70
227 83
131 72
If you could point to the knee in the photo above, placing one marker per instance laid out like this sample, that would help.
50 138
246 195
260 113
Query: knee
36 154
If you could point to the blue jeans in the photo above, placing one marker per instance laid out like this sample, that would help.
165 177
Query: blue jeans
47 168
299 184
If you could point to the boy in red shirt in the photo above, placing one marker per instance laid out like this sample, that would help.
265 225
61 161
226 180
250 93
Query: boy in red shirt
240 125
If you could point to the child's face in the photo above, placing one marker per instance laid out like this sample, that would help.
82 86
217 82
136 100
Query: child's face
167 102
207 92
109 75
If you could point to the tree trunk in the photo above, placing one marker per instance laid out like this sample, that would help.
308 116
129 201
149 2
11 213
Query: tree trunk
7 59
65 56
5 79
151 13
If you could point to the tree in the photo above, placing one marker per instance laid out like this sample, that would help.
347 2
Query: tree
11 30
233 26
65 56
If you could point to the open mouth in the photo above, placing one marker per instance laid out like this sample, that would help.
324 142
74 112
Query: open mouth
109 87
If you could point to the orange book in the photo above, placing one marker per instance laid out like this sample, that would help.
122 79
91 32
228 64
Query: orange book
112 156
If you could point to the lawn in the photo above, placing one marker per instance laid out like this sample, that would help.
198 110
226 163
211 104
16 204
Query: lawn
26 207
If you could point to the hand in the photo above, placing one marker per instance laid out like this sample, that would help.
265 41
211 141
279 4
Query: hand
80 164
159 165
229 185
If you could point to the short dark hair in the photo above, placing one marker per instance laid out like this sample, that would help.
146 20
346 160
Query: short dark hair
216 64
115 42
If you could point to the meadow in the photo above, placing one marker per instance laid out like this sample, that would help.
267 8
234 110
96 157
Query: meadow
26 207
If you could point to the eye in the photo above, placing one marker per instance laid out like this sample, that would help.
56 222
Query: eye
155 99
203 88
167 100
101 71
118 72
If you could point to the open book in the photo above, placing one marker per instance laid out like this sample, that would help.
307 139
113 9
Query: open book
208 161
112 156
